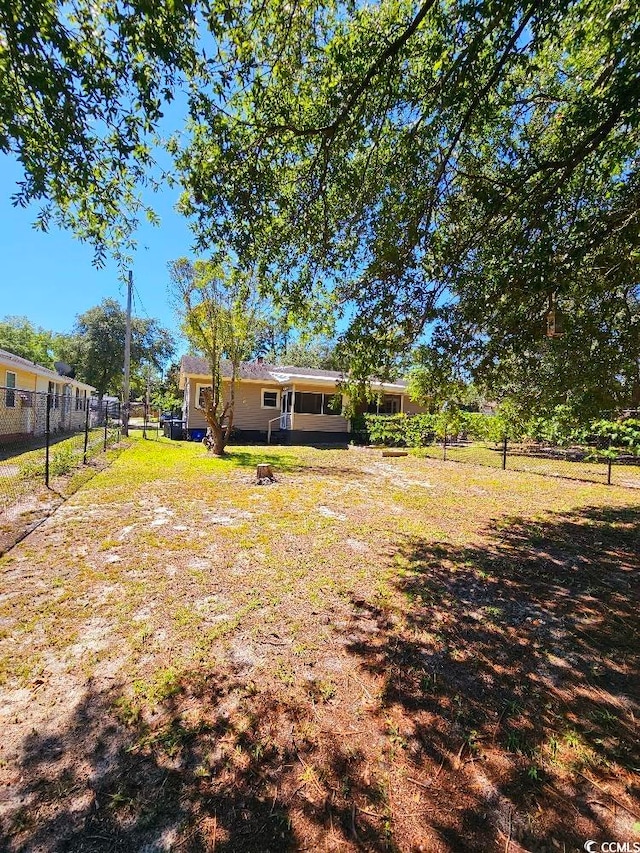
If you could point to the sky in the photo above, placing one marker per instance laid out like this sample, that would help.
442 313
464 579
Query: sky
49 278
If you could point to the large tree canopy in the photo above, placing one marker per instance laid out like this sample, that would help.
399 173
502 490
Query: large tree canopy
415 163
96 347
83 87
19 336
451 162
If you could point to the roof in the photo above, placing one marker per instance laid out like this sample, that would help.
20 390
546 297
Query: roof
278 373
20 363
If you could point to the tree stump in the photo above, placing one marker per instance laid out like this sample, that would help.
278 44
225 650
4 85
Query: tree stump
264 472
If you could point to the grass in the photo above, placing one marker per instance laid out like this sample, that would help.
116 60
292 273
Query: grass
521 458
25 500
368 654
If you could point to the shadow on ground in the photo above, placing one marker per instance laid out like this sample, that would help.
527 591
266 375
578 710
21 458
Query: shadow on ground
221 767
517 665
503 677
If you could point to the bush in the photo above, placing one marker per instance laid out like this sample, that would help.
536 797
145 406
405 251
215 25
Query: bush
388 430
359 432
420 430
622 434
558 429
478 427
61 461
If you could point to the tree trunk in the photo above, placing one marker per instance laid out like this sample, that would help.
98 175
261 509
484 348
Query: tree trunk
219 439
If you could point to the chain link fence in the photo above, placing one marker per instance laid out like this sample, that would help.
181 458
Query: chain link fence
45 436
575 463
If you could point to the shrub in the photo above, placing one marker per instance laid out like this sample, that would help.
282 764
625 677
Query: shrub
559 428
359 431
623 434
61 461
420 430
388 430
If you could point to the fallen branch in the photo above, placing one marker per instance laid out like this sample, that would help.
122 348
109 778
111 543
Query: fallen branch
425 785
353 822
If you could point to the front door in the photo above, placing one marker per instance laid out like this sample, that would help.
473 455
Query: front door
285 410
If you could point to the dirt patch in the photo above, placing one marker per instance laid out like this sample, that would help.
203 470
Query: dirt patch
37 502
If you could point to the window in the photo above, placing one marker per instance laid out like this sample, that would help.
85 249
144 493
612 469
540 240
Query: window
200 389
77 399
333 404
10 398
386 404
270 399
318 404
308 404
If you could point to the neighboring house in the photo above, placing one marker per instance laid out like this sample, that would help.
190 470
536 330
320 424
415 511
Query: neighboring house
304 405
24 386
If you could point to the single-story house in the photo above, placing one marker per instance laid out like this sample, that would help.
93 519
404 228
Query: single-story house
24 386
303 405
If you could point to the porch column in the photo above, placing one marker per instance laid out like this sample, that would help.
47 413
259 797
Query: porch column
293 403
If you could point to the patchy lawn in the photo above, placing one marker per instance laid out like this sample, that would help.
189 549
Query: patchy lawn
370 654
25 501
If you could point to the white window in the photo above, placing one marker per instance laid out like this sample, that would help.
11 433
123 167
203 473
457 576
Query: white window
200 389
10 398
270 399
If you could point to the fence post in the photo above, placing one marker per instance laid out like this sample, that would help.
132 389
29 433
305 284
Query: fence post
86 430
106 426
444 447
504 453
609 464
47 433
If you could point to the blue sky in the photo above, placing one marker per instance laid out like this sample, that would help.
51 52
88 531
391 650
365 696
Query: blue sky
49 278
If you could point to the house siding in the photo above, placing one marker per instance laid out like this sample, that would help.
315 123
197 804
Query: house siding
248 413
411 408
17 419
320 423
28 416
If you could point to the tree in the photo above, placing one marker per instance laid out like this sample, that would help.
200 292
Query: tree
435 380
166 394
220 317
83 90
315 352
96 346
387 159
19 336
401 155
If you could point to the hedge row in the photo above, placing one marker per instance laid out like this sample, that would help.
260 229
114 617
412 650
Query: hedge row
421 430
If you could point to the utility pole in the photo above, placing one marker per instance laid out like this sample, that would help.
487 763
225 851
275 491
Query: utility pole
127 361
